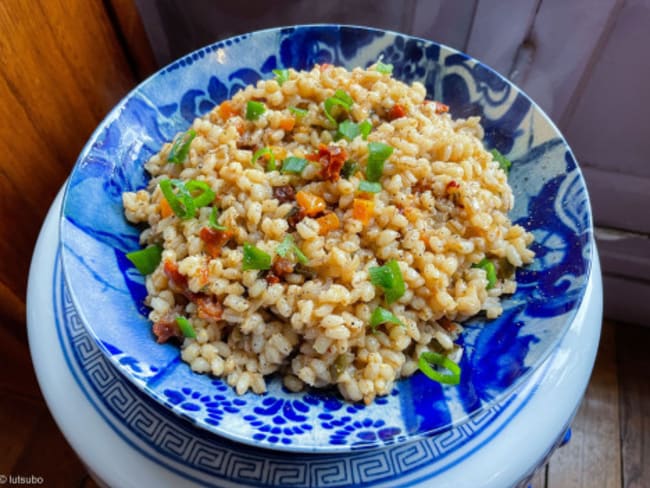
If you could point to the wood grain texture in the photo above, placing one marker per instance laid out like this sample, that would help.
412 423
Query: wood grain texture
593 454
634 381
59 75
134 38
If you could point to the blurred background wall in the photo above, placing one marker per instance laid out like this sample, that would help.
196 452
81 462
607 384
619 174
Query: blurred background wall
584 61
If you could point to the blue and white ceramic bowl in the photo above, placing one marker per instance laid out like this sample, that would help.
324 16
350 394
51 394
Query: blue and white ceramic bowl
551 202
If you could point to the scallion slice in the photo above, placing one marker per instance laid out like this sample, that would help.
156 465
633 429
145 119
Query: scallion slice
340 98
378 153
254 110
213 220
298 112
265 151
382 316
348 130
281 75
450 377
181 147
504 163
349 168
364 128
255 258
384 69
289 246
490 271
205 195
146 260
369 186
183 203
293 164
389 278
186 327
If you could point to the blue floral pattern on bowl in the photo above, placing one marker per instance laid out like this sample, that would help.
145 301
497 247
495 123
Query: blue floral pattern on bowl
551 202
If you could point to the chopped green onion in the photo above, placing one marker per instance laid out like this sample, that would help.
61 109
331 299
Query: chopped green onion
378 152
384 69
288 245
182 203
213 220
389 278
364 128
281 75
254 110
369 186
146 260
255 258
181 147
382 316
294 165
206 195
348 169
340 98
270 166
182 209
298 112
490 271
186 327
451 377
347 129
504 163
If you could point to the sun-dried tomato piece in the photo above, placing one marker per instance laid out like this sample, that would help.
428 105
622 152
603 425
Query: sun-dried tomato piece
397 111
165 330
282 267
284 193
177 281
332 158
215 239
208 307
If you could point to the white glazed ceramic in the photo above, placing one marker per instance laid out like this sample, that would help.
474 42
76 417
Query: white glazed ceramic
500 449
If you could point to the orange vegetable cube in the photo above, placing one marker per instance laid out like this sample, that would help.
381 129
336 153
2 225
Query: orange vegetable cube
327 223
311 204
165 209
363 210
227 109
287 124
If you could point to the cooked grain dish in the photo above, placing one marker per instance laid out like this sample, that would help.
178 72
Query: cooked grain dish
327 225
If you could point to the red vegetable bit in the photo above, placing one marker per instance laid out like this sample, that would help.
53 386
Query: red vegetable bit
272 279
441 108
285 193
177 281
324 66
165 330
282 267
332 159
396 112
452 186
208 307
214 240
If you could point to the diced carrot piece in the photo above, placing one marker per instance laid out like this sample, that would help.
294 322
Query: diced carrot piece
311 204
362 210
327 223
227 109
324 66
396 112
287 124
165 209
